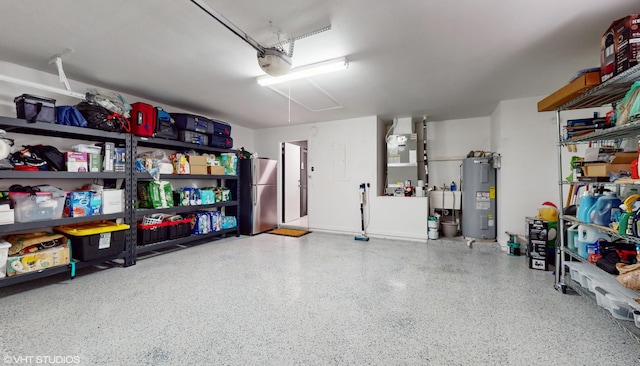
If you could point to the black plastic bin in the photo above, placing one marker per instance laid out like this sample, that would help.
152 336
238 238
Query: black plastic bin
153 233
94 240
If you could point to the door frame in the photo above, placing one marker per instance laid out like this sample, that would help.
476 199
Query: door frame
303 145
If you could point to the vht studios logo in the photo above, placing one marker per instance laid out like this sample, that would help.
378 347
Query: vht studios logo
42 360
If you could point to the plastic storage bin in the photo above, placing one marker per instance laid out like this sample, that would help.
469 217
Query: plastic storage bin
178 229
38 207
580 277
4 253
93 240
151 233
618 308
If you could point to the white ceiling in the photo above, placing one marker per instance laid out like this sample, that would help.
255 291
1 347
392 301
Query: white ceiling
446 59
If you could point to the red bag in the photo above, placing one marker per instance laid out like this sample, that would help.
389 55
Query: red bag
143 119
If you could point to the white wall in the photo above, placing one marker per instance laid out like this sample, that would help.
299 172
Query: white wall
528 176
242 136
448 142
334 203
527 141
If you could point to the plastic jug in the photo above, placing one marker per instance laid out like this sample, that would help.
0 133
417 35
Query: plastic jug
606 207
625 223
588 235
587 200
572 237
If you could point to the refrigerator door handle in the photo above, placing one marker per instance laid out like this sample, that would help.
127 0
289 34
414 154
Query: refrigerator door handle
254 194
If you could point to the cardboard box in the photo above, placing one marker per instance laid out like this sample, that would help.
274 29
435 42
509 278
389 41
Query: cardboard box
37 261
540 249
112 201
197 164
621 162
602 169
620 46
198 169
76 161
197 160
572 90
216 170
109 156
120 162
95 162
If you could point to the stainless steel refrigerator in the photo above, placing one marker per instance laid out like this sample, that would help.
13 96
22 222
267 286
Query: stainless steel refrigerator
258 195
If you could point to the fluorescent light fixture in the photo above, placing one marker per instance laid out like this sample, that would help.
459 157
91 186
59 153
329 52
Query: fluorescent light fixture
306 71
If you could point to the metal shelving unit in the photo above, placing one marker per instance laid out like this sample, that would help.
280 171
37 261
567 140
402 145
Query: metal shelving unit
191 240
608 230
21 226
69 268
608 92
129 177
182 209
220 180
14 125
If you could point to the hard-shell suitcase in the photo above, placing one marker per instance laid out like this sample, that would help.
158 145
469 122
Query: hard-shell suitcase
224 142
221 128
191 122
193 137
143 119
165 127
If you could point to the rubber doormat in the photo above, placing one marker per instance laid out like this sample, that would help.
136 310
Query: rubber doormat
289 232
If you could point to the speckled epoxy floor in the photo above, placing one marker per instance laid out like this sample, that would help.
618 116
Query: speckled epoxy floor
321 299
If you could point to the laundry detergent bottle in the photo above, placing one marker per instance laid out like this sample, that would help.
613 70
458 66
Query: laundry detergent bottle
572 237
588 235
627 217
606 208
587 200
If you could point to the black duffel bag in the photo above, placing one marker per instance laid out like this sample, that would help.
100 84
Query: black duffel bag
101 118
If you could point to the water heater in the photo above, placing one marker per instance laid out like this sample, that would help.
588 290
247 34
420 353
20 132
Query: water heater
479 198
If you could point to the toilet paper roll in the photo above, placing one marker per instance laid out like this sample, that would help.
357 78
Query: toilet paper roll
420 183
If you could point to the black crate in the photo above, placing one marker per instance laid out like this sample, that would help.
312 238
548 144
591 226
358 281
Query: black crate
179 229
35 109
90 247
148 234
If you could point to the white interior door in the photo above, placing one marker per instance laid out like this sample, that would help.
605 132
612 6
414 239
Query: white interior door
291 182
